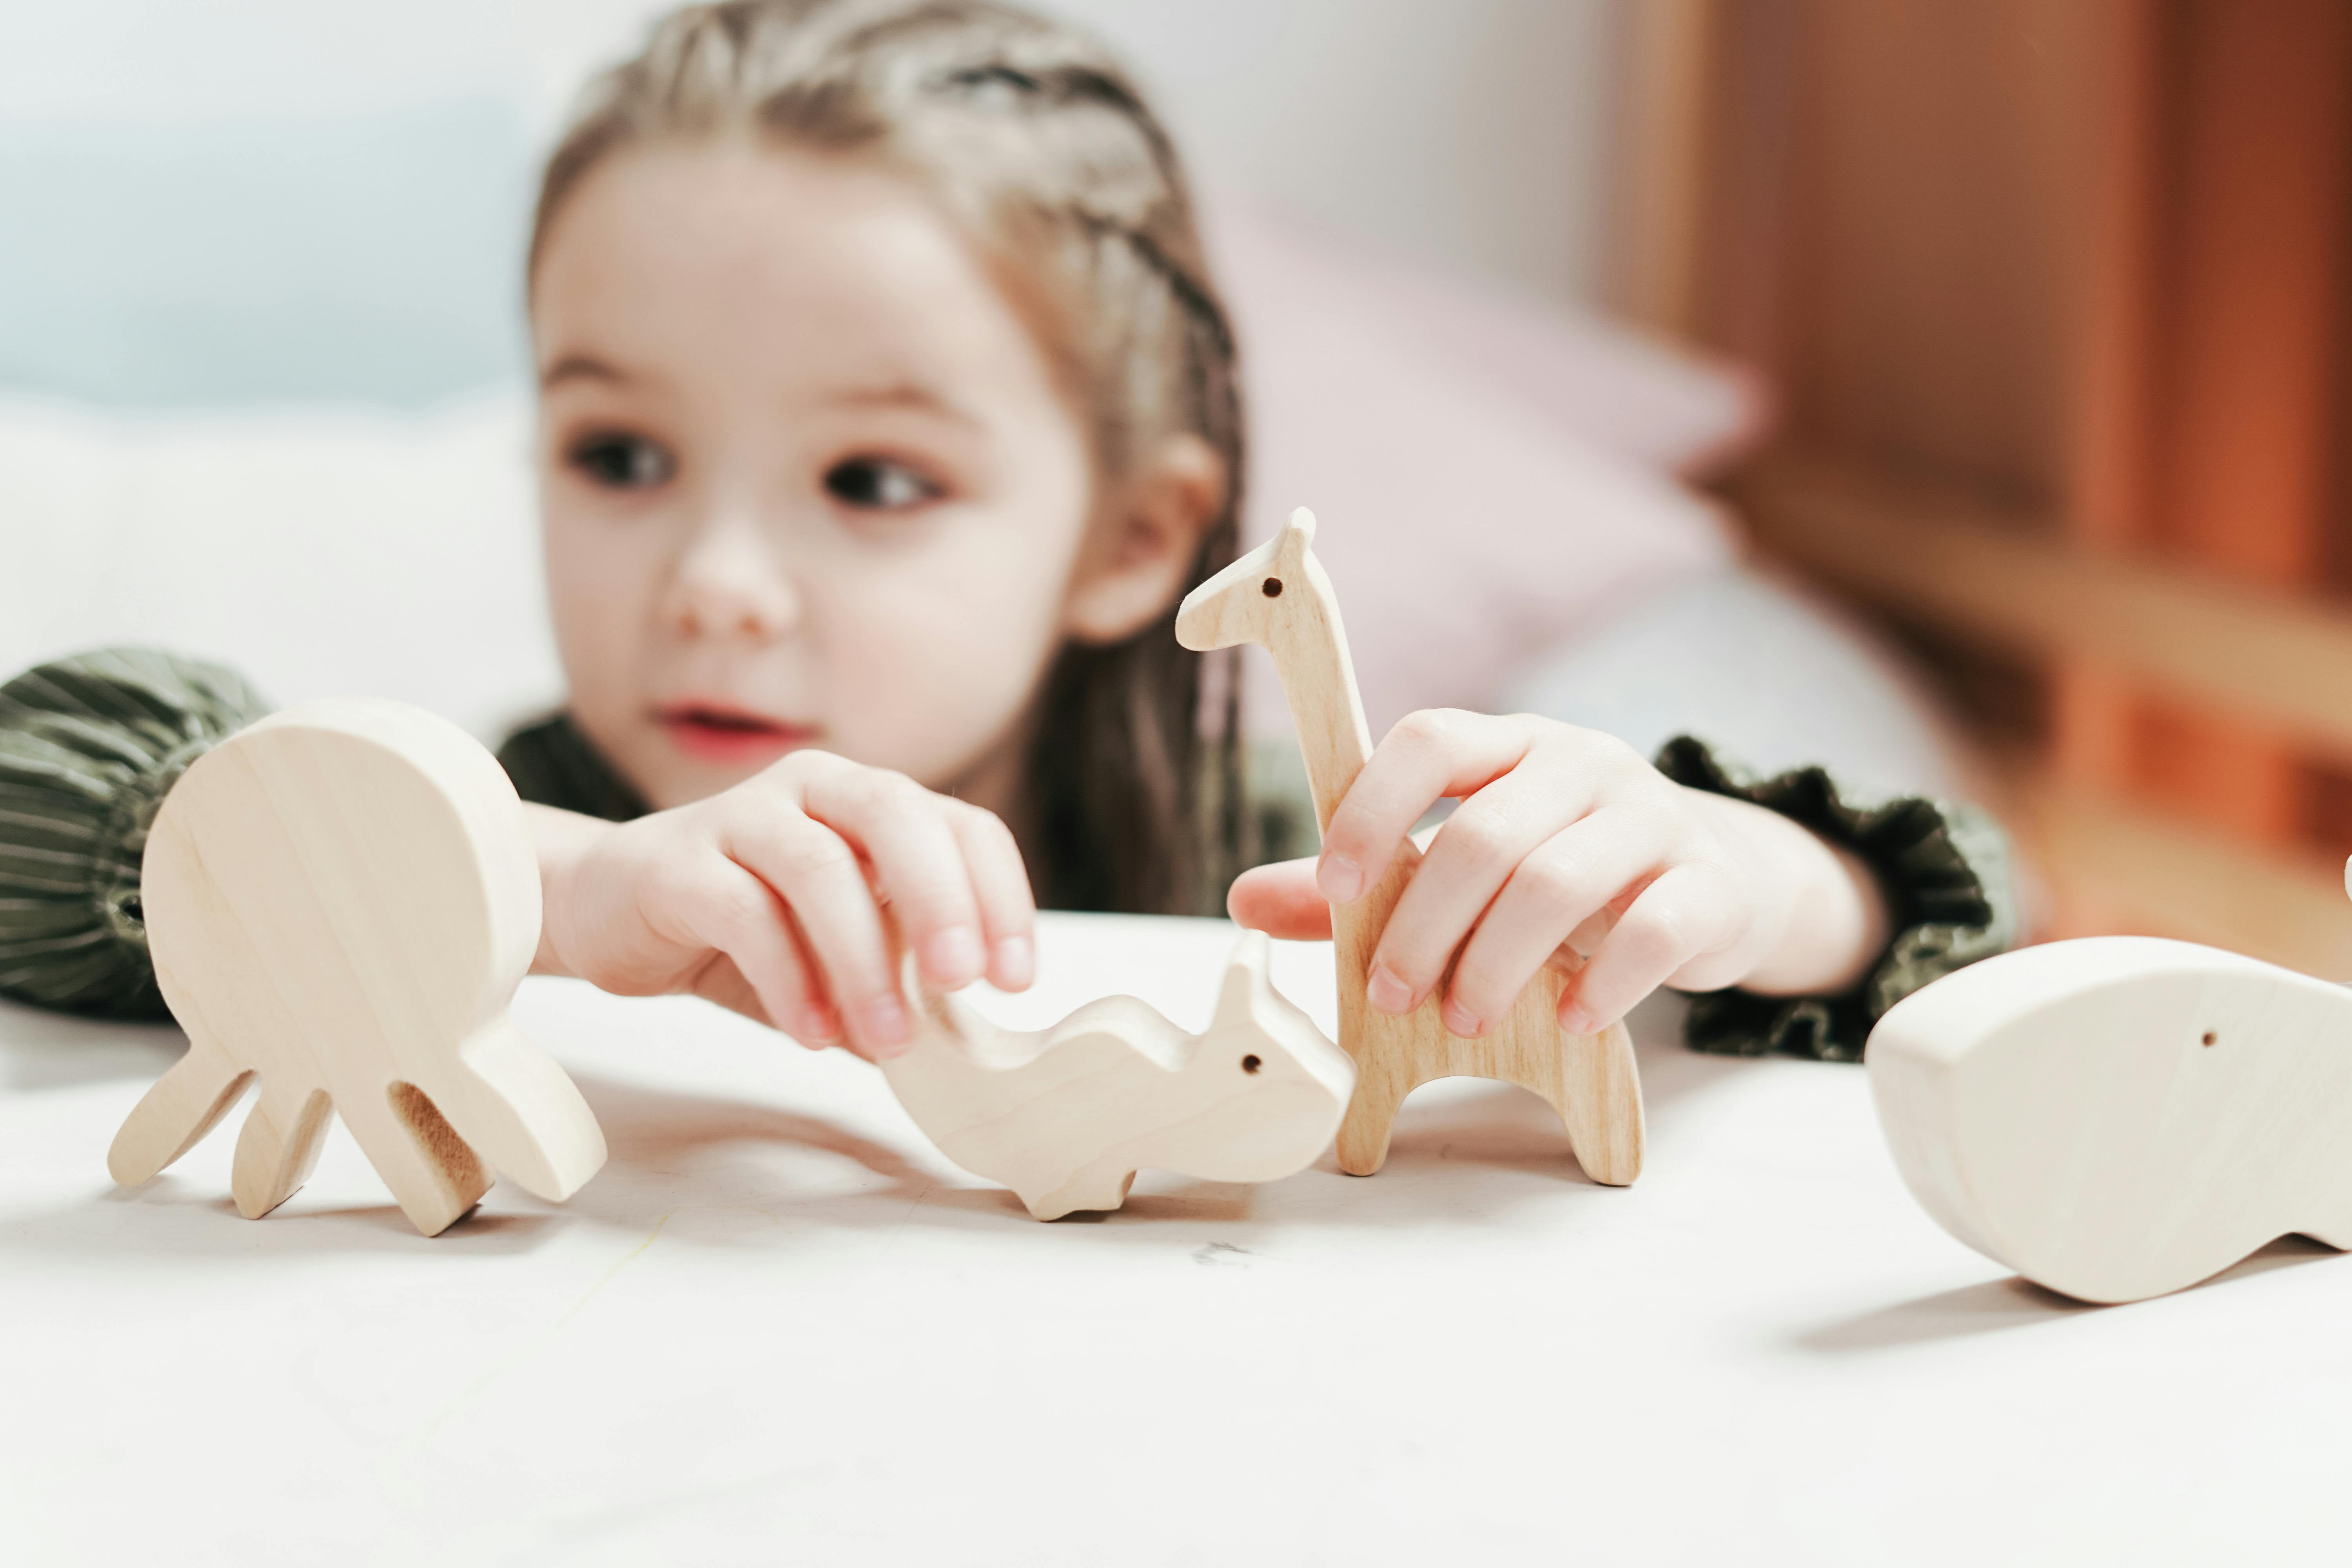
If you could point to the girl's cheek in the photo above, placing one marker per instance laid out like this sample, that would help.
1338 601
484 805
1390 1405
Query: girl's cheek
931 669
601 582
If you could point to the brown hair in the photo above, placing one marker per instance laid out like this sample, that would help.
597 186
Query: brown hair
1035 141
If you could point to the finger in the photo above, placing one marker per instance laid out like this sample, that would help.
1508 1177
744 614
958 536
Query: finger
721 980
733 911
817 875
1559 885
898 824
1691 909
1000 882
1281 901
1429 755
1477 850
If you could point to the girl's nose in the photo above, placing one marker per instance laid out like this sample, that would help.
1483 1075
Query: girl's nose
730 584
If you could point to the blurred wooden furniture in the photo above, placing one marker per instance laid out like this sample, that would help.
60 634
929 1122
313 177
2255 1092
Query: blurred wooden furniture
2054 292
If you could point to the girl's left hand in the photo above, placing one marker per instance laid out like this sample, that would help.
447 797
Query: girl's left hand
1556 825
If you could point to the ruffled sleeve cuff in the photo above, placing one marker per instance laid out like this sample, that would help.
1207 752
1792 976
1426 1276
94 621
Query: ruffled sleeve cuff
88 748
1945 870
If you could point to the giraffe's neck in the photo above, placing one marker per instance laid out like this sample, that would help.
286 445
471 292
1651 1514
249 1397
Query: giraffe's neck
1318 680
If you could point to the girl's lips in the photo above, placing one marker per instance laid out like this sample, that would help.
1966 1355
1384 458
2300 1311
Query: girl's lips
711 733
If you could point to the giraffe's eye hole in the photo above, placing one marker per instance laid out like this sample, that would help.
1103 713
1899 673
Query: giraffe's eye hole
1273 588
1251 1064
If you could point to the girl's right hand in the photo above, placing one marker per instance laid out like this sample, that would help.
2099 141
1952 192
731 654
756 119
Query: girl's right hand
767 899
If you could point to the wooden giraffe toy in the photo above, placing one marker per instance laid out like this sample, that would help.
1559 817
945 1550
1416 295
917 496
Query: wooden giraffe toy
2118 1117
1065 1116
340 900
1277 597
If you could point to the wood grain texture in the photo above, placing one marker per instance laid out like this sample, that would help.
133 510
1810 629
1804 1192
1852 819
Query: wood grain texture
1067 1116
2119 1117
1278 597
341 901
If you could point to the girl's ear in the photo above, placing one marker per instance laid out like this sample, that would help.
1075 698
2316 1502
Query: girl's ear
1134 566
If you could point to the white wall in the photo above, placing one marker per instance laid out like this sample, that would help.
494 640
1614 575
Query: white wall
1469 132
1464 131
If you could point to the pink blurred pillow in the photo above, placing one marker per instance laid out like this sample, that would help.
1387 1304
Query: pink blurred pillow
1472 507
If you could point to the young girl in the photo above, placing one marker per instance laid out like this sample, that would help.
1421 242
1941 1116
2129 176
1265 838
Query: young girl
887 411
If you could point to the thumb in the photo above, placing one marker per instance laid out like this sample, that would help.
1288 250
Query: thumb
1281 901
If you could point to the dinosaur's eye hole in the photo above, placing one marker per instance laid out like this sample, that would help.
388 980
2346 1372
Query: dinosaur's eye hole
1273 588
1251 1064
2211 1039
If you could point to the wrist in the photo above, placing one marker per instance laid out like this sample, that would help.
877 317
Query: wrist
1820 920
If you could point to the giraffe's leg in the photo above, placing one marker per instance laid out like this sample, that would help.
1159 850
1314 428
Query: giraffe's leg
1363 1142
177 1112
1598 1097
433 1174
278 1146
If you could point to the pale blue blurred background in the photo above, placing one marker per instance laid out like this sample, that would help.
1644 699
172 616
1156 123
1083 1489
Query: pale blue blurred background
289 200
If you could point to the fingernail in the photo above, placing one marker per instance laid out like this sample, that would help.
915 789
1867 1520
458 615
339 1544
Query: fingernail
952 956
885 1023
1015 961
1576 1020
1458 1019
1339 878
818 1025
1384 991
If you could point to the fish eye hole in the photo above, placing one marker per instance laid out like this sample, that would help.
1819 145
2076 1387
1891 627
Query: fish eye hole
1272 588
1251 1064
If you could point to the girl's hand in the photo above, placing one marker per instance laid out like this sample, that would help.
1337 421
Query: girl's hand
767 899
1558 825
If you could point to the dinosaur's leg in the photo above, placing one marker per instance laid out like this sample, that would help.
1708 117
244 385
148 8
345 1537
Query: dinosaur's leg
1598 1093
1098 1187
181 1106
432 1172
518 1111
278 1146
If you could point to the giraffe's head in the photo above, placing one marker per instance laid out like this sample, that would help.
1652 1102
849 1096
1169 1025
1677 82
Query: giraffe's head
1243 602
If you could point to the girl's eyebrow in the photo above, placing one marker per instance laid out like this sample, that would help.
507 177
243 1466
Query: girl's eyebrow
580 367
904 395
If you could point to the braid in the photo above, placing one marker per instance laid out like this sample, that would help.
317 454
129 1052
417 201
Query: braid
1036 143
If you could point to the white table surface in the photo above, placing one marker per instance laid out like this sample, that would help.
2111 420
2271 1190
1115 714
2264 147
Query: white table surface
779 1328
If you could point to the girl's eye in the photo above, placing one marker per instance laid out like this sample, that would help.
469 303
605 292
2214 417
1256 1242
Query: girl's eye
878 484
623 462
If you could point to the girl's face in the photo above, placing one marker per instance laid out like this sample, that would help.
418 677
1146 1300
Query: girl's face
808 478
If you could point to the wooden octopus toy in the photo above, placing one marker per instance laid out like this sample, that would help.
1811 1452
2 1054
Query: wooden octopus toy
1065 1116
1277 597
2119 1117
340 900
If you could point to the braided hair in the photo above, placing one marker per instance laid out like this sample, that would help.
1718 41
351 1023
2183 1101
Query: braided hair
1036 144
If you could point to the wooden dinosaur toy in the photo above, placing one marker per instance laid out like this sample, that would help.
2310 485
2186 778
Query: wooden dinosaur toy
1277 597
1065 1116
340 900
2118 1117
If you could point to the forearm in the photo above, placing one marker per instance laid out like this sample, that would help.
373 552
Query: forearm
1825 921
559 838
